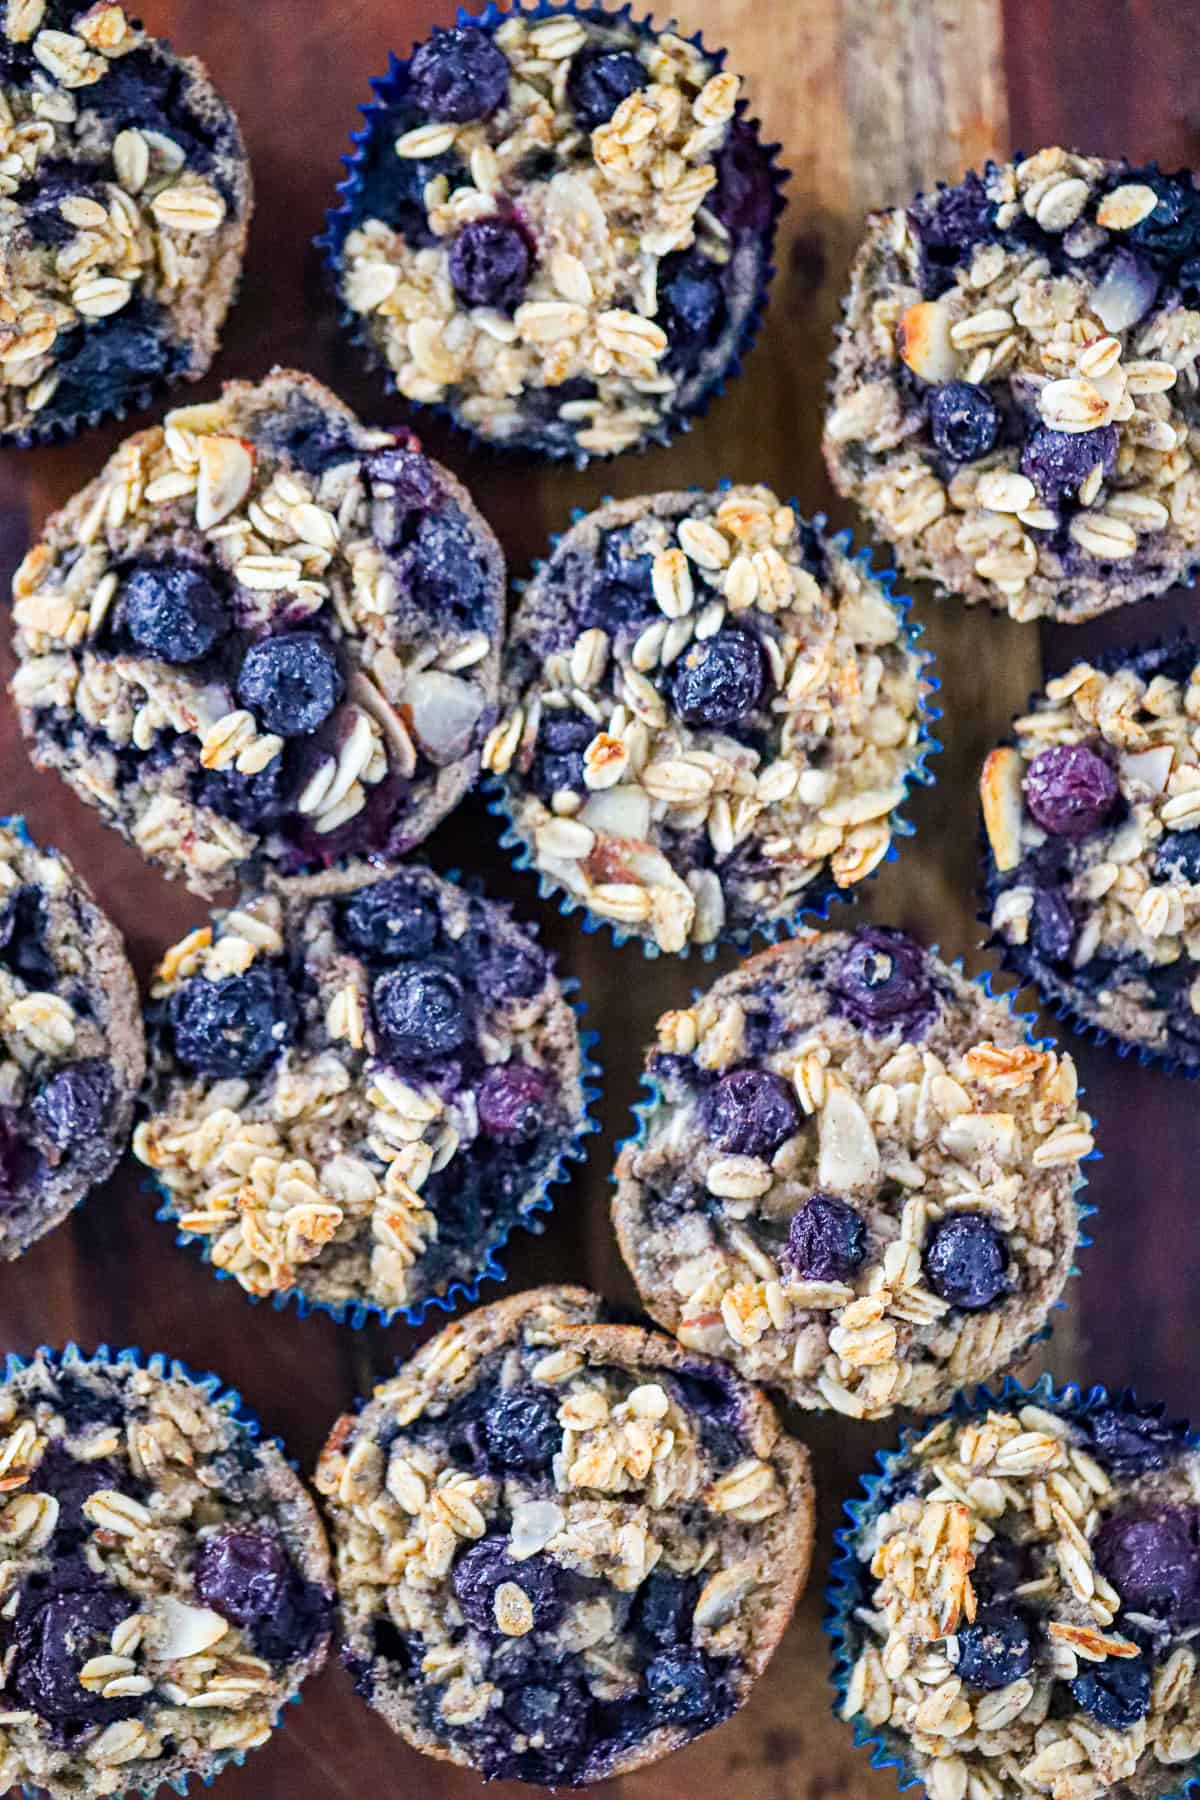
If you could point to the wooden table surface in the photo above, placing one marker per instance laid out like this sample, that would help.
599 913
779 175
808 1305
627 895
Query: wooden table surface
872 98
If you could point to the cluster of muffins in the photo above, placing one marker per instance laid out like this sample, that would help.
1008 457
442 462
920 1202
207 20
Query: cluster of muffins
268 644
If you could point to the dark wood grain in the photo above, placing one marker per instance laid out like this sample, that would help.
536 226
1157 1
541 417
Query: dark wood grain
872 98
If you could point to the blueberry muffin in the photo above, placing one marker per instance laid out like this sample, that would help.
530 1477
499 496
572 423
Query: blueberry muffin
1092 818
124 203
167 1578
359 1086
1014 384
72 1050
558 228
564 1547
855 1177
710 714
264 636
1018 1601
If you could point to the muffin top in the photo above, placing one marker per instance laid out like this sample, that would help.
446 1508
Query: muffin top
855 1175
72 1052
711 711
558 227
1014 384
264 635
166 1575
359 1086
564 1547
1092 816
124 201
1028 1623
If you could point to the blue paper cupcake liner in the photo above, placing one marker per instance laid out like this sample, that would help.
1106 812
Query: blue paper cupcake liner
645 1109
849 1587
339 221
1015 958
215 1393
532 1217
814 902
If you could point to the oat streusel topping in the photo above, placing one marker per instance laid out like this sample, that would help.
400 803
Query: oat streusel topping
124 201
563 1547
1093 823
165 1583
993 1652
1015 384
856 1179
711 715
574 255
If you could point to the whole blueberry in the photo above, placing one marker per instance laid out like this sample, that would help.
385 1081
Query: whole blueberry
1115 1692
72 1480
1070 790
884 980
459 75
421 1013
563 736
1059 462
827 1240
966 1261
720 679
951 221
389 921
235 1026
73 1107
750 1112
1171 232
664 1607
404 490
512 1102
521 1429
446 571
1153 1561
1053 924
23 925
691 303
995 1649
291 682
744 197
54 1637
682 1689
599 80
964 421
248 1577
490 264
174 611
486 1566
505 971
1000 1566
1132 1439
549 1705
1178 857
252 801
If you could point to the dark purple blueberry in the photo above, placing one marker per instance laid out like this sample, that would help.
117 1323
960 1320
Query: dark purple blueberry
236 1026
389 921
664 1607
744 197
1153 1561
563 736
75 1104
404 490
547 1703
490 264
446 571
966 1261
20 1164
1000 1567
1129 1439
827 1240
23 924
510 971
487 1566
459 75
248 1577
995 1650
1053 924
252 801
683 1688
750 1113
521 1429
40 198
111 362
512 1102
1059 462
620 598
599 80
1115 1692
720 679
691 303
421 1013
1070 790
54 1637
291 682
964 421
174 611
1178 857
1170 233
72 1480
951 221
884 980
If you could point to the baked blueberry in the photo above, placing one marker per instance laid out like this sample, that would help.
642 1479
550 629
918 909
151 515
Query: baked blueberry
883 982
1070 790
291 682
683 1689
490 263
484 1572
235 1026
750 1112
248 1577
599 80
827 1240
996 1649
458 75
421 1013
1153 1560
174 611
1129 1439
74 1106
966 1261
53 1638
964 421
1060 462
388 921
721 680
1116 1694
512 1102
521 1429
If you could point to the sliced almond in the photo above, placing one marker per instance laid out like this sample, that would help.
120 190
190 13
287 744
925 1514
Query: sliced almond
226 471
849 1155
624 811
1003 809
925 341
443 711
363 692
187 1630
1149 767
